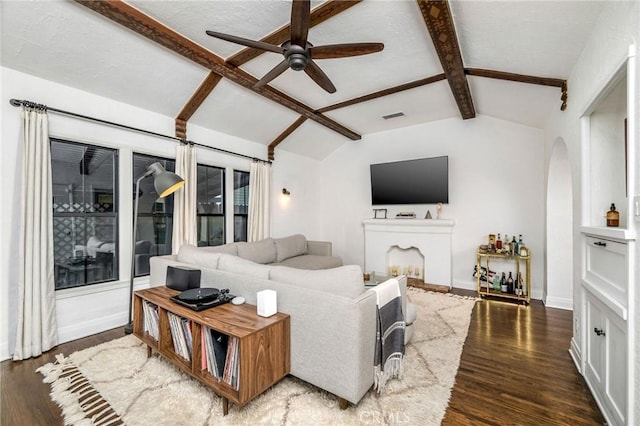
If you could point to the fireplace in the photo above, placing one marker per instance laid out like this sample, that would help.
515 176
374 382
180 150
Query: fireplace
423 243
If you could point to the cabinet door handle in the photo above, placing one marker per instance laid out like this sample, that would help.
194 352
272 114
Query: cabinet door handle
600 243
599 331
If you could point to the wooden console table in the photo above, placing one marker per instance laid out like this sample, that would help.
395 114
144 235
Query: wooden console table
263 347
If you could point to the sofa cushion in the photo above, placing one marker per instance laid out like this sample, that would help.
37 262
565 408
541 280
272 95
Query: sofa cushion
263 251
231 248
295 245
312 261
242 266
344 281
198 256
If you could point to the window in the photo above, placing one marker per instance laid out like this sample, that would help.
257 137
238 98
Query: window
240 205
210 206
155 215
85 213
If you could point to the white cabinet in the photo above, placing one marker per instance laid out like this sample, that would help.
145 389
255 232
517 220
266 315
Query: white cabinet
606 358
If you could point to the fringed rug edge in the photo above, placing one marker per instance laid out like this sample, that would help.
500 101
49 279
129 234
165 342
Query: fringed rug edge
81 404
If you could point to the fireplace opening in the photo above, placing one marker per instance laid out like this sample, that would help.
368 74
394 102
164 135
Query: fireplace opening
405 261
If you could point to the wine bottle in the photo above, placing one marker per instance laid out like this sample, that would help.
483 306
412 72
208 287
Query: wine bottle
514 246
498 243
503 284
510 283
516 286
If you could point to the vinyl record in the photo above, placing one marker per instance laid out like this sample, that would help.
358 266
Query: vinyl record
197 295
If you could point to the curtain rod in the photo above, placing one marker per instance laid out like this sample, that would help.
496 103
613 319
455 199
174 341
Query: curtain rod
29 104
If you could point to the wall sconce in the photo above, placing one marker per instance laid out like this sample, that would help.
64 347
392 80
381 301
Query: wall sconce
285 191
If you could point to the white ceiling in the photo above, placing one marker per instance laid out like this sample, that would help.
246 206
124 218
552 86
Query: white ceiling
67 43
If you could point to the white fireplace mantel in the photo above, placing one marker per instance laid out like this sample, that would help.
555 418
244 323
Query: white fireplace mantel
432 237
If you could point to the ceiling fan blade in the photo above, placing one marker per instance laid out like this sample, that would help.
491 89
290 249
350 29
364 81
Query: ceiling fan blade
300 21
344 50
246 42
317 75
276 71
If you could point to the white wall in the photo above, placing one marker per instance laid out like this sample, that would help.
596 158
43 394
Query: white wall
618 27
300 212
84 311
495 185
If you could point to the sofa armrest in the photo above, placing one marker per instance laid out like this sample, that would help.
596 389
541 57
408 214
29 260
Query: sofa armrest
320 248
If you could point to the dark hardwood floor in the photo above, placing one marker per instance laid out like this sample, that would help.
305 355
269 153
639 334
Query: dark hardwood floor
515 369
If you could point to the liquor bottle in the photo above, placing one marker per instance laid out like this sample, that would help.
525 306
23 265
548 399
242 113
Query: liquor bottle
514 246
613 217
503 284
516 286
496 283
498 243
510 284
520 243
521 283
505 243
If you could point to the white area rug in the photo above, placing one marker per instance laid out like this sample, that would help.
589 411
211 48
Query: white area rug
150 391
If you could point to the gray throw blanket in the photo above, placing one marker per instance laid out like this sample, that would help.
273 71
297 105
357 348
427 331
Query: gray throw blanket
389 348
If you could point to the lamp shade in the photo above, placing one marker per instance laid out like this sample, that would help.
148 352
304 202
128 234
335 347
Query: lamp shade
166 183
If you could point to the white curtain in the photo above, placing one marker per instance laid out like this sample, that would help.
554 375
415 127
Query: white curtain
259 201
37 329
185 229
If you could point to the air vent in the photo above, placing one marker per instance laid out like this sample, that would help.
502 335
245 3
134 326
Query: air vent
394 115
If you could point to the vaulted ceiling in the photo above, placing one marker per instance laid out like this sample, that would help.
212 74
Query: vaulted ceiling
156 55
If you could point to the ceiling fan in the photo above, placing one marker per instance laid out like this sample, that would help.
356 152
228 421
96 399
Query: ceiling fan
298 52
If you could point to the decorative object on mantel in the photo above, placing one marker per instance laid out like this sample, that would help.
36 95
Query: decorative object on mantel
151 398
428 215
406 215
439 211
378 213
613 216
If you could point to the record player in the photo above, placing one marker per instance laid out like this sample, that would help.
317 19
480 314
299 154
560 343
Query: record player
202 298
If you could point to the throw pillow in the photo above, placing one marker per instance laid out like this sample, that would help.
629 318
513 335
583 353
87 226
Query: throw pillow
295 245
263 251
345 280
198 256
237 265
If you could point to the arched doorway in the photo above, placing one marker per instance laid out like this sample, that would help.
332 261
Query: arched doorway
558 290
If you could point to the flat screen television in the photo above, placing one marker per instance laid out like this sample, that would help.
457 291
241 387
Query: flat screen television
421 181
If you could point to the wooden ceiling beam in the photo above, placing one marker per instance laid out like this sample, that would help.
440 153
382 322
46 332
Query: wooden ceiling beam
521 78
132 18
385 92
207 85
283 136
437 17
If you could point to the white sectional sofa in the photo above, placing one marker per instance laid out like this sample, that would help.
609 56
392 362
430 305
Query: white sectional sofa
333 316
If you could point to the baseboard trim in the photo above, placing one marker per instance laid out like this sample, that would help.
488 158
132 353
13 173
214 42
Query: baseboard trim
559 303
93 326
576 356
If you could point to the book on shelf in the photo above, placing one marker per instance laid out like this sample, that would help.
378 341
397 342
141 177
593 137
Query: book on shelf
222 359
180 335
150 312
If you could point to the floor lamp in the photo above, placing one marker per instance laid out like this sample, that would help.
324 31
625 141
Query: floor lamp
166 183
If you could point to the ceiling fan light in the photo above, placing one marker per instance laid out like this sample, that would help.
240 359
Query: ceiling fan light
297 61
